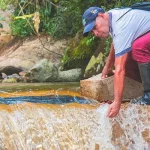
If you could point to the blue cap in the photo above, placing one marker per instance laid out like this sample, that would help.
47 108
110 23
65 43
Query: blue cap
89 17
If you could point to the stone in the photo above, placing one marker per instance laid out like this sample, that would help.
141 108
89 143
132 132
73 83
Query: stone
103 89
43 71
25 53
72 75
97 61
46 71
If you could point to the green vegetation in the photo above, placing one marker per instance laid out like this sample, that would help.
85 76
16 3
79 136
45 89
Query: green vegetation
58 18
77 56
21 27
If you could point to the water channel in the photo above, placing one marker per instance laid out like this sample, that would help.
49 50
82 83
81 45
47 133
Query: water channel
54 116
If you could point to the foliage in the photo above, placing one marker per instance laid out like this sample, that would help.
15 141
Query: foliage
68 17
59 18
21 27
67 20
28 8
78 56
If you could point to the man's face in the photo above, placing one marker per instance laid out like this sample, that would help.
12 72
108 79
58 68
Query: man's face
101 28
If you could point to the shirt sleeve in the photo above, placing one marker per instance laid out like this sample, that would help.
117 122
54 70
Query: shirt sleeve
123 36
122 43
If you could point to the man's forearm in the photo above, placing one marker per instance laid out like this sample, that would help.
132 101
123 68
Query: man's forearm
119 78
111 57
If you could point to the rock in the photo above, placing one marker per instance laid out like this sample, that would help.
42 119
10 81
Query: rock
97 61
94 66
15 75
46 71
4 75
103 89
25 53
72 75
43 71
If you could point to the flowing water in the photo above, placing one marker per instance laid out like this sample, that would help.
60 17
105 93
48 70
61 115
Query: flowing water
54 118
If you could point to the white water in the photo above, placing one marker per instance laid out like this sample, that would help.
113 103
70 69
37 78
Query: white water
70 128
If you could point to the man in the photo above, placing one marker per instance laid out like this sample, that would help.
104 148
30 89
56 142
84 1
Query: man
129 30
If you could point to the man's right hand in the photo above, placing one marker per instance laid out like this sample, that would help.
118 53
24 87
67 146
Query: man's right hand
107 72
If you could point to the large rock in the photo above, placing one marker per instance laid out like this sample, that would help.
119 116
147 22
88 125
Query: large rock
103 89
43 71
72 75
25 53
46 71
97 61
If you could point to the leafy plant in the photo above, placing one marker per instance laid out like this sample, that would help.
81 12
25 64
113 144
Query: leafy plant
21 27
78 56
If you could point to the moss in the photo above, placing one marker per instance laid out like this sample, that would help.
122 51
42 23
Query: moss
94 61
78 56
95 65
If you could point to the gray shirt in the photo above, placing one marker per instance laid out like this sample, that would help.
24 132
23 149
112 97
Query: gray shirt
128 28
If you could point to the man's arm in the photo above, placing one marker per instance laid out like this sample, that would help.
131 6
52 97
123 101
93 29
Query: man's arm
119 78
109 63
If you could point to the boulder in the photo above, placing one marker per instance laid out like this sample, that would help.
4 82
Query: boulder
25 53
72 75
43 71
97 61
103 89
46 71
95 65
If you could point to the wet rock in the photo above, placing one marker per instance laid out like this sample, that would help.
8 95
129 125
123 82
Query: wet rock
103 89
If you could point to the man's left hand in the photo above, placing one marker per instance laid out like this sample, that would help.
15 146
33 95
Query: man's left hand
113 109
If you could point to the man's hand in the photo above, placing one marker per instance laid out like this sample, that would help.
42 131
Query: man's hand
113 109
107 72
